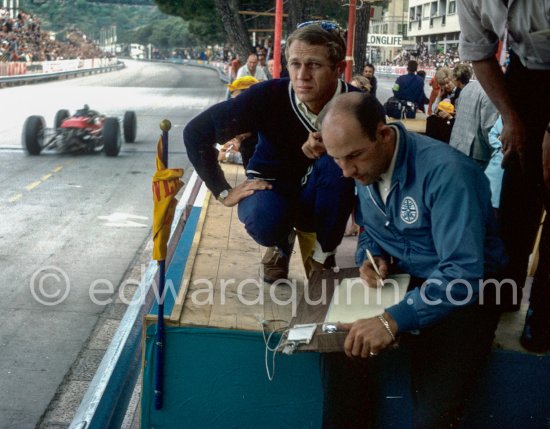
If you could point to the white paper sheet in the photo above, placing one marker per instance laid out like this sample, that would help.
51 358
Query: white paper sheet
353 300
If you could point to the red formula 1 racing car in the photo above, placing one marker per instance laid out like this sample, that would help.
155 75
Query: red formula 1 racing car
85 131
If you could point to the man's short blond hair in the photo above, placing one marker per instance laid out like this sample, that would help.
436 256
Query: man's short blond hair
317 36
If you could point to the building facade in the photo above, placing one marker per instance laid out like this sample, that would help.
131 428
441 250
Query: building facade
434 26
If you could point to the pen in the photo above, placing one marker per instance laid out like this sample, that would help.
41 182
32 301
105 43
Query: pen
376 270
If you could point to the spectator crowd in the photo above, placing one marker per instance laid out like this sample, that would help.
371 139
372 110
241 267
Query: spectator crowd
22 39
424 58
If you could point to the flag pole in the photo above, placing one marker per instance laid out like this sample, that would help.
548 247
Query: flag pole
277 38
350 42
165 126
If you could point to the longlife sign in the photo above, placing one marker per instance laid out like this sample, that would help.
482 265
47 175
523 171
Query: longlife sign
385 40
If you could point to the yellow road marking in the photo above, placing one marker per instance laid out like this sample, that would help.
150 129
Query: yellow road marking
33 185
15 198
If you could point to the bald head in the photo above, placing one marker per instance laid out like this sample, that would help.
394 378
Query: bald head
356 136
252 62
364 108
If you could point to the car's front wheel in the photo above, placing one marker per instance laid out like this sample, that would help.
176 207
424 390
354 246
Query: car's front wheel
60 116
111 137
33 134
129 125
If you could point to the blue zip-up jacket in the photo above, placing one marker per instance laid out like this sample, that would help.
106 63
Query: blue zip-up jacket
437 224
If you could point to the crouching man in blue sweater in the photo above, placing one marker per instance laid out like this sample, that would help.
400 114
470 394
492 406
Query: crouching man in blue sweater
426 210
292 183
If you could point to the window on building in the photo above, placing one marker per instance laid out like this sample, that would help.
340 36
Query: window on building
452 7
442 8
402 29
385 29
433 9
426 12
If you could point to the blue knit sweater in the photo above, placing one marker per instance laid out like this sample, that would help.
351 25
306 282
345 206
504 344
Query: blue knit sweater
267 109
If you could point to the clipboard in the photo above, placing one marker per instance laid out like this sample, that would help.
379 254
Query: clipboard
316 302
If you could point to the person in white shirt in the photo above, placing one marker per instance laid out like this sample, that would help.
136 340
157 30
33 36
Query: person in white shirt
251 69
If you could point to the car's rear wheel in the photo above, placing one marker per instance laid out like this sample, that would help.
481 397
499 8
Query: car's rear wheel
33 134
111 137
60 116
129 125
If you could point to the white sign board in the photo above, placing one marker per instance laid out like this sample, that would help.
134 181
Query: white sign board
385 40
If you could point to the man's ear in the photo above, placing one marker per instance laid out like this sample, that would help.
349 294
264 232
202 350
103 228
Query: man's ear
341 67
383 130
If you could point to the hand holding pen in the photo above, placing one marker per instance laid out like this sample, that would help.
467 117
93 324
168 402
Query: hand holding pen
374 270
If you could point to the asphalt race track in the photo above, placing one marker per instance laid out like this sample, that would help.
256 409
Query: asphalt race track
71 224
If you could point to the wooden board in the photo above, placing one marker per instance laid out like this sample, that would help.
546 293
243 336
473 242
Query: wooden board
417 125
223 288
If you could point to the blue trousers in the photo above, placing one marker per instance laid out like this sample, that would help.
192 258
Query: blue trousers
444 362
321 205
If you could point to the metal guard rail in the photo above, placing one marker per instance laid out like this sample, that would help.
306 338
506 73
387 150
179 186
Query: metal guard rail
106 401
38 77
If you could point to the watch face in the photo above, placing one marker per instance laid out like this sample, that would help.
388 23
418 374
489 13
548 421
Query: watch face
224 194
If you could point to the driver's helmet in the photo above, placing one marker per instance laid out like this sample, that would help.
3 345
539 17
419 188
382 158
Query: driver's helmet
85 111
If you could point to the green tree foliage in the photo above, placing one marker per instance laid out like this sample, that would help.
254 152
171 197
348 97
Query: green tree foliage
212 21
134 23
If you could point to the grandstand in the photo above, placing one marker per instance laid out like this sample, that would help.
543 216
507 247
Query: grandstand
23 40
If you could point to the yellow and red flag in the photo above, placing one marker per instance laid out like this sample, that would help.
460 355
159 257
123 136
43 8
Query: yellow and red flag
166 184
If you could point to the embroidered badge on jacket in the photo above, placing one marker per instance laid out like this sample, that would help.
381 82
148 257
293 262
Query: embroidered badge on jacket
409 210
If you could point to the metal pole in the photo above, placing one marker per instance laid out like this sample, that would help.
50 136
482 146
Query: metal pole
159 370
351 37
277 38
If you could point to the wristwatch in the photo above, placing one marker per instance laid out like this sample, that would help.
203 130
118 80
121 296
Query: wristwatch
223 195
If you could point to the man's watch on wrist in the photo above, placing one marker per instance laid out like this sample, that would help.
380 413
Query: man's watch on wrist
223 195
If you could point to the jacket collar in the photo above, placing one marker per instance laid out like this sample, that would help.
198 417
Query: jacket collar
404 165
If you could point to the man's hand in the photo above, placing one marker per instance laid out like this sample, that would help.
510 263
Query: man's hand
314 147
245 189
367 337
546 158
235 142
369 275
512 138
